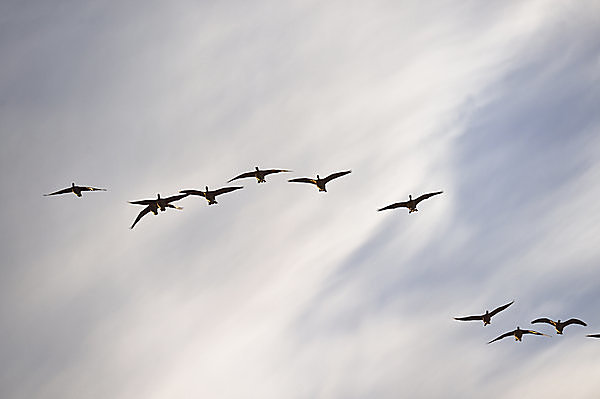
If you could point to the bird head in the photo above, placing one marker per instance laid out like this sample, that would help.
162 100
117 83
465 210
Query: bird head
256 167
206 188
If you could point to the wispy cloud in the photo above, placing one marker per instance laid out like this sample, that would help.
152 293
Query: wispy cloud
281 291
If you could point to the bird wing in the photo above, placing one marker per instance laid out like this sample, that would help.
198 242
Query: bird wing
500 308
396 205
574 321
593 335
508 334
140 215
336 175
242 176
533 332
544 320
226 190
63 191
194 192
271 171
175 198
425 196
303 180
143 202
91 189
469 318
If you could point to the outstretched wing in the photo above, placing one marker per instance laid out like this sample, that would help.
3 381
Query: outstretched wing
226 190
242 176
469 318
508 334
64 191
574 321
544 320
336 175
91 189
175 198
271 171
500 308
396 205
303 180
194 192
593 335
425 196
143 202
140 215
534 332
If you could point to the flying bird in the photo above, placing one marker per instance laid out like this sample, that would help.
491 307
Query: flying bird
320 183
487 317
153 205
75 189
518 334
210 195
411 204
558 325
593 335
259 174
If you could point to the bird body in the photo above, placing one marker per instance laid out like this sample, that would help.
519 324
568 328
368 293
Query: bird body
211 195
518 334
487 316
558 325
258 174
77 190
320 183
411 204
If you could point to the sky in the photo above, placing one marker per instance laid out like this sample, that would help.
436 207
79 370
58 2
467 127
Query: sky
281 291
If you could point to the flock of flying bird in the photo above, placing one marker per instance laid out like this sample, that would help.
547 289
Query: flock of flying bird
158 203
518 333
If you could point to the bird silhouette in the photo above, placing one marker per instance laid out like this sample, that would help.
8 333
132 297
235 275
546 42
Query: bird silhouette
558 325
76 190
518 334
211 195
259 174
153 205
411 204
320 183
487 316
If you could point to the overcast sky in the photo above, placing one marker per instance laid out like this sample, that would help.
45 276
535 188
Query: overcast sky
280 291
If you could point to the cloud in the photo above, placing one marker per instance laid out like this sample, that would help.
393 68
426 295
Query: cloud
280 290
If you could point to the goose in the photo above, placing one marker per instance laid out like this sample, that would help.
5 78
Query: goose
558 325
593 335
75 189
210 195
411 204
259 174
161 203
153 205
320 183
518 334
487 317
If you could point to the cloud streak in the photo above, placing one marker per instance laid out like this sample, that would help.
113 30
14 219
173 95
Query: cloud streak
281 291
